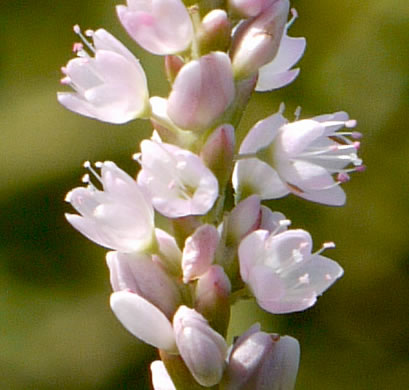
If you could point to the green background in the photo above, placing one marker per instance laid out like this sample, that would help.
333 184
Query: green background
56 327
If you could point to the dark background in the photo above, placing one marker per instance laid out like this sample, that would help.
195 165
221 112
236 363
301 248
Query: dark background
56 327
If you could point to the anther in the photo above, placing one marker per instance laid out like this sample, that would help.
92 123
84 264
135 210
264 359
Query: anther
356 135
77 31
294 15
297 113
350 123
86 179
343 177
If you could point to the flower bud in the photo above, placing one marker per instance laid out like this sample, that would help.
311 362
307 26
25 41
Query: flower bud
202 349
172 66
260 361
144 320
202 91
257 40
218 151
243 219
198 253
139 274
212 298
215 31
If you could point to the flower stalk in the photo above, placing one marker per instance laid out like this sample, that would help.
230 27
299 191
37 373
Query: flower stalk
174 286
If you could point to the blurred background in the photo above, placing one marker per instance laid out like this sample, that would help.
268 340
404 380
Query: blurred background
56 327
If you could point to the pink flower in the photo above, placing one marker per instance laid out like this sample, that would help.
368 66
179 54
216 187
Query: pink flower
120 217
300 157
111 86
281 271
176 179
159 26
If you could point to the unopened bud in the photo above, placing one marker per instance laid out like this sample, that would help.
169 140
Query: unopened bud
257 40
244 218
212 298
262 361
217 153
202 349
202 91
215 31
198 253
139 274
172 66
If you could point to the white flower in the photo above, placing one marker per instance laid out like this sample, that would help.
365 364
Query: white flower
111 86
281 271
159 26
120 217
299 157
277 73
177 180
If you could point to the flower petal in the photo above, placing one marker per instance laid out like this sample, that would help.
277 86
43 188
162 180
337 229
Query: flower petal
144 320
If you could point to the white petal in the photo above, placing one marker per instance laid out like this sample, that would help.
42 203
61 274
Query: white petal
160 377
262 133
290 51
143 320
256 177
270 81
251 252
295 137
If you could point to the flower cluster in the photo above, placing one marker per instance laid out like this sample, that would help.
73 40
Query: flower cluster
175 278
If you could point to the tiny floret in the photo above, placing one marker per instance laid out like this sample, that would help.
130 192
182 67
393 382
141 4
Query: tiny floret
119 217
281 271
110 84
309 158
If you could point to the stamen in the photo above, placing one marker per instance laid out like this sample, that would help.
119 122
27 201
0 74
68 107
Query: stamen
325 245
86 179
350 123
77 46
87 165
343 177
282 223
294 15
77 31
297 113
281 109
